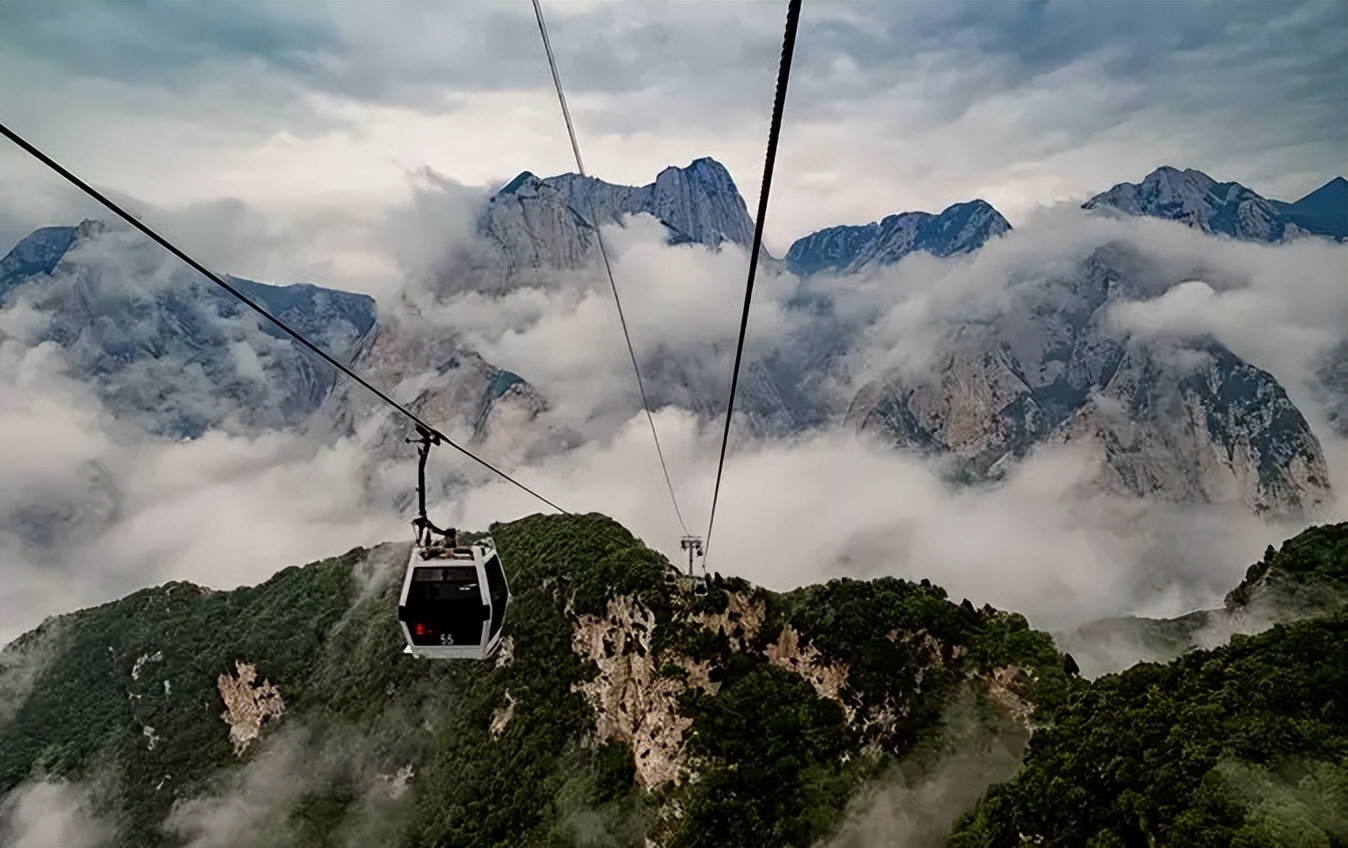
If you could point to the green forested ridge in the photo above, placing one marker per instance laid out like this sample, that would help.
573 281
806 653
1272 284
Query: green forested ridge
1245 745
776 764
1307 575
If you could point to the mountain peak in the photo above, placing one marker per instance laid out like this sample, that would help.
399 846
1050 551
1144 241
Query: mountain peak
1196 199
959 228
705 165
1192 197
1323 211
549 221
524 178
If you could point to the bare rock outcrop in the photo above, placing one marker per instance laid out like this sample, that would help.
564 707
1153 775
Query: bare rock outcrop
247 705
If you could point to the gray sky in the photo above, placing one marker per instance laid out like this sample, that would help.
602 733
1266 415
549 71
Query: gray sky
252 129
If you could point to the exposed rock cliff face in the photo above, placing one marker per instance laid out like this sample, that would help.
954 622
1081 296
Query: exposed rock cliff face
635 695
827 679
1224 431
551 222
1193 198
1181 419
248 705
961 228
167 349
436 377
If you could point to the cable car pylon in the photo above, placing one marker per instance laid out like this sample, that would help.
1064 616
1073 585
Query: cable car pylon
693 545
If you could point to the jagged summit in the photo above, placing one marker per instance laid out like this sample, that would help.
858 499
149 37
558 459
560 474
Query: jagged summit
1196 199
549 222
959 228
525 178
1323 211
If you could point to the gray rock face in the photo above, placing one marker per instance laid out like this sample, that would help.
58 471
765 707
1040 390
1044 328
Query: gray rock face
1215 429
1323 212
1184 420
961 228
1193 198
168 349
178 355
438 379
550 223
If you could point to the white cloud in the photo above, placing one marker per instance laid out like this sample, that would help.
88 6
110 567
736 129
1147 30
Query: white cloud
48 813
91 509
228 509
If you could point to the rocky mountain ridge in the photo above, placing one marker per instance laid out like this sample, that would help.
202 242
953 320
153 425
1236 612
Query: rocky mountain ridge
1197 200
551 223
960 228
1182 419
1051 369
169 350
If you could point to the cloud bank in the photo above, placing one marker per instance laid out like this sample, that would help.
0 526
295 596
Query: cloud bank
97 508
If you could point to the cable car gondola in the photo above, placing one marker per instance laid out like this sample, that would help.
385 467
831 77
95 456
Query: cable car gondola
454 600
454 597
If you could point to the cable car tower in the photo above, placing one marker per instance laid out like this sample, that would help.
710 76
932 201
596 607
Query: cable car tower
693 545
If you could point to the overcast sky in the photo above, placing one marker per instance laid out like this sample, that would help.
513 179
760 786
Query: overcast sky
257 125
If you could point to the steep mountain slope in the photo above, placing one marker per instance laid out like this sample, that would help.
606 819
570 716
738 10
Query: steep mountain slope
1306 577
167 349
1323 211
961 228
1331 385
530 233
620 710
550 223
1193 198
1243 745
1183 419
177 355
435 376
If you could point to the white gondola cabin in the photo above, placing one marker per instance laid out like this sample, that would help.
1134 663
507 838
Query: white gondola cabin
454 600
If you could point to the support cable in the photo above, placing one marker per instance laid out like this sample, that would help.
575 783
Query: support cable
779 103
422 427
608 268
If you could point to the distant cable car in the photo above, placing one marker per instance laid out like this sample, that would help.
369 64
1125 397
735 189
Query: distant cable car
454 598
